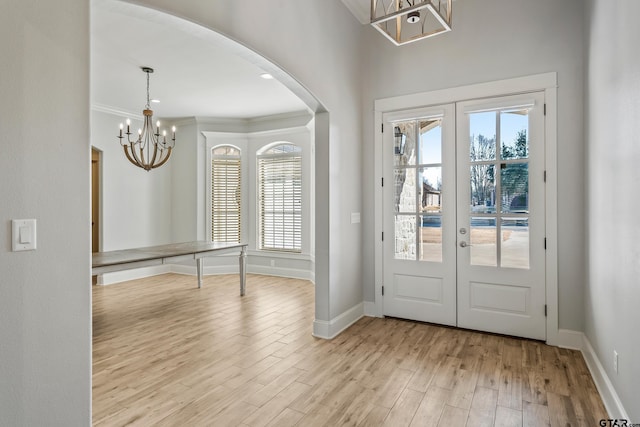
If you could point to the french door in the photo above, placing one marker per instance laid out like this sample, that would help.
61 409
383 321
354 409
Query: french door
463 202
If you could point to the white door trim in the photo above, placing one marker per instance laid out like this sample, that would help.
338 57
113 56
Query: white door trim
546 82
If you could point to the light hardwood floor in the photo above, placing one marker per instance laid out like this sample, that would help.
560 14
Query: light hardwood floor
166 353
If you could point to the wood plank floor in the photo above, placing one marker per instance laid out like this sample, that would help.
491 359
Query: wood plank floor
166 353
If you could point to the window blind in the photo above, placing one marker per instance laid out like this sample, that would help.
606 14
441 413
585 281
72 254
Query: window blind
226 199
280 202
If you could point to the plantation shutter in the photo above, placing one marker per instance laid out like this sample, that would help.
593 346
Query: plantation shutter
225 199
280 202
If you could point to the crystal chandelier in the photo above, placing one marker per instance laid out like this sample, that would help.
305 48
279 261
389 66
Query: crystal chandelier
151 149
406 21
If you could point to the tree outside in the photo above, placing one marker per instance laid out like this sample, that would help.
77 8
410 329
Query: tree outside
514 177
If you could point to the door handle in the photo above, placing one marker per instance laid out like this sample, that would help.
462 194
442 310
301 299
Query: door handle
464 244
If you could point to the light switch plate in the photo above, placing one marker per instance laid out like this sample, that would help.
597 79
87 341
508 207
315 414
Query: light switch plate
355 217
23 230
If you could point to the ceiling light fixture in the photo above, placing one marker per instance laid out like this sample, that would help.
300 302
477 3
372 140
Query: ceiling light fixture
406 21
149 151
266 76
413 17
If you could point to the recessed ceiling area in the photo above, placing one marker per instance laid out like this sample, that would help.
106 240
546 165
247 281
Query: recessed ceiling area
194 77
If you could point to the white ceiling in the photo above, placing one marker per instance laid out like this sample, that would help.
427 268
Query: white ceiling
361 9
194 76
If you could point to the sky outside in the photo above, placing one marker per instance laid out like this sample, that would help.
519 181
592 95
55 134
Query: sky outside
480 124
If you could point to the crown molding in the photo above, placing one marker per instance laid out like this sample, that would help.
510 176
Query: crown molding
251 125
102 108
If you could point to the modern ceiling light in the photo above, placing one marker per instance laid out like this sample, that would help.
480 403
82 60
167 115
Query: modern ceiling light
266 76
151 150
406 21
413 17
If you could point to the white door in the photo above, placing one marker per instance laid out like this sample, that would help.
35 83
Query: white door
464 215
419 215
501 211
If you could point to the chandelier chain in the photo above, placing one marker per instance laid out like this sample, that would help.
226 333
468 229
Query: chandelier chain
148 105
150 149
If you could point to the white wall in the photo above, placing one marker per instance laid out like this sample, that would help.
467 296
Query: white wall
613 129
318 43
185 200
250 136
493 40
45 300
135 205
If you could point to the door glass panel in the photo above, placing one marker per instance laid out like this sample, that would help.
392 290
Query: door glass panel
483 188
404 143
430 142
514 187
430 192
514 126
515 243
482 136
405 237
483 241
405 190
431 238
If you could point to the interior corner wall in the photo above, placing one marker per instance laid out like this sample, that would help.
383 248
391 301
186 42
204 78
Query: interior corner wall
135 204
613 129
494 40
293 34
186 190
250 136
45 294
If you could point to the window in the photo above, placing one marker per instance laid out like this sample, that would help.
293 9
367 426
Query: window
280 198
226 197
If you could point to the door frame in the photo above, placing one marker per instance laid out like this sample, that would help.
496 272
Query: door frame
96 157
546 83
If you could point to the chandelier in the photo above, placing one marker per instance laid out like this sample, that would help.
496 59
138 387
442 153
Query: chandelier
151 149
406 21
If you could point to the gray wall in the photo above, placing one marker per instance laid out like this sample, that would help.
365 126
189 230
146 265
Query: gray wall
613 129
45 300
318 43
136 205
493 40
186 197
45 295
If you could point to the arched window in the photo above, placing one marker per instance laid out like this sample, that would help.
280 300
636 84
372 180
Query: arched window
226 197
280 198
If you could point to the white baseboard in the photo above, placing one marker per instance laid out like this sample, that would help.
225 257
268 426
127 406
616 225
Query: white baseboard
138 273
255 269
208 270
370 309
608 393
330 329
291 273
578 341
573 340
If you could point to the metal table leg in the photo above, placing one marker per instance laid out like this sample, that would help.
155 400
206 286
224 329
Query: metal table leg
243 270
199 268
